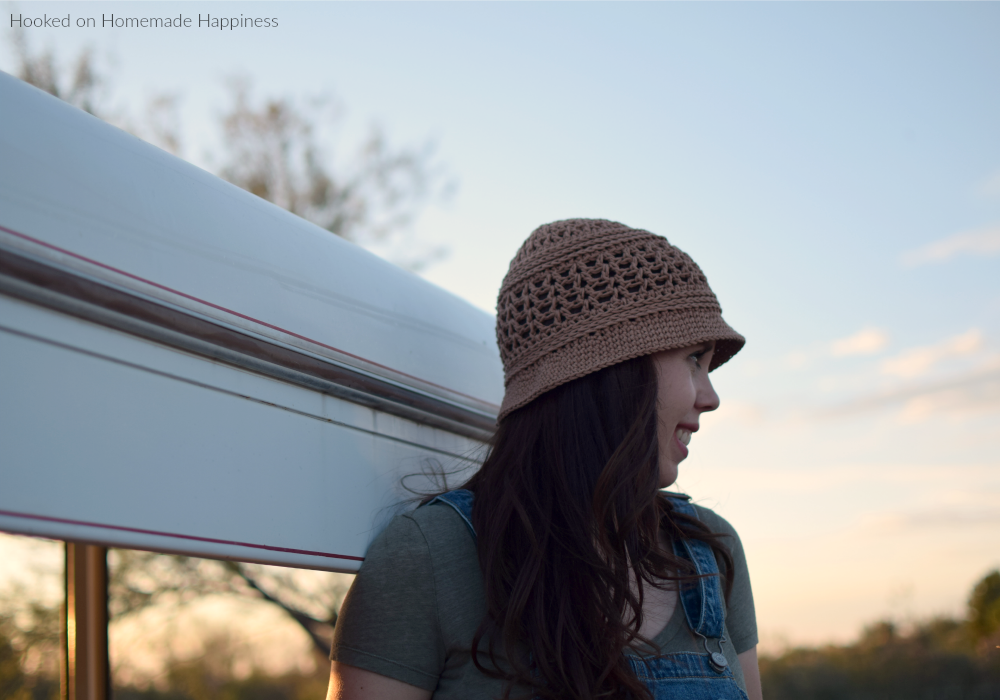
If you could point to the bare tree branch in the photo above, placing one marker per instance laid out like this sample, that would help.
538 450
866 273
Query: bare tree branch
271 149
39 69
320 632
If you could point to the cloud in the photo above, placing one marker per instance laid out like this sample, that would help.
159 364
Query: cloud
980 242
978 397
865 342
947 517
846 477
918 361
970 393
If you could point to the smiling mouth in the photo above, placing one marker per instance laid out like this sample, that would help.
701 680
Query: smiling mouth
683 436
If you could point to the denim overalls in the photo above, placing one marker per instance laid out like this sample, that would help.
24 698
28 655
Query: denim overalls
682 675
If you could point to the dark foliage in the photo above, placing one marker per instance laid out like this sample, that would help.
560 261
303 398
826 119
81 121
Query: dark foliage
15 683
984 606
935 660
256 687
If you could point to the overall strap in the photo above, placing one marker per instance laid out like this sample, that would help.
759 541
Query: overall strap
701 599
461 501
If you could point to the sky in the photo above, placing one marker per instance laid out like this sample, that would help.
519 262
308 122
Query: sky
833 168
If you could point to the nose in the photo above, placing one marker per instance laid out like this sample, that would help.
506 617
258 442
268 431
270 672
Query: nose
706 399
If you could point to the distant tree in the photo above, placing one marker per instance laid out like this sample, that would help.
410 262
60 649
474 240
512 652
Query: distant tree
161 125
29 647
12 677
275 148
139 580
271 148
937 658
80 85
984 606
211 674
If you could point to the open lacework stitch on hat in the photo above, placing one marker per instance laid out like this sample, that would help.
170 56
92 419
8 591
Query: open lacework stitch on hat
575 281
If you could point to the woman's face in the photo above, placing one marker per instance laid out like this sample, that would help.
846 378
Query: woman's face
684 392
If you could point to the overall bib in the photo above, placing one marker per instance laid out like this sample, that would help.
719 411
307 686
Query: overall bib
681 675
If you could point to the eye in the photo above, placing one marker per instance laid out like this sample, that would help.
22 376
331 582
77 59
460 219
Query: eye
696 357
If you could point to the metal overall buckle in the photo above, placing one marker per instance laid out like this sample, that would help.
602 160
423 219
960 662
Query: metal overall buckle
716 658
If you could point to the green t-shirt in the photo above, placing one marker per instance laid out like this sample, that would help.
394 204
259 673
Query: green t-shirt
418 599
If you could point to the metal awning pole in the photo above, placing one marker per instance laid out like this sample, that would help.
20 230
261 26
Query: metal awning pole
86 672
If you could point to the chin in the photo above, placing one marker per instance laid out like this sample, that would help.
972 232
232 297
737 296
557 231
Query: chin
668 477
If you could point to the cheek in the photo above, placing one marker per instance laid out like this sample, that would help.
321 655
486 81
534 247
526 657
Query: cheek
663 435
675 401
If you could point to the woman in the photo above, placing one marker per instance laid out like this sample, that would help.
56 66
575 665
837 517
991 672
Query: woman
561 563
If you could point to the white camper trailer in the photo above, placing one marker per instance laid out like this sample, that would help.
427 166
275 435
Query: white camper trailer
187 368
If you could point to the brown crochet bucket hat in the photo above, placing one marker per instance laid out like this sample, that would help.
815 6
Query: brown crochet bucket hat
585 294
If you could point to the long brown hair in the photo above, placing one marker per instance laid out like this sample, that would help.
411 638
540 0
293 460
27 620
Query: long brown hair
566 507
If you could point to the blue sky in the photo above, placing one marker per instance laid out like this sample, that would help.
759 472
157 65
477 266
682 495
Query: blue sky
834 168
